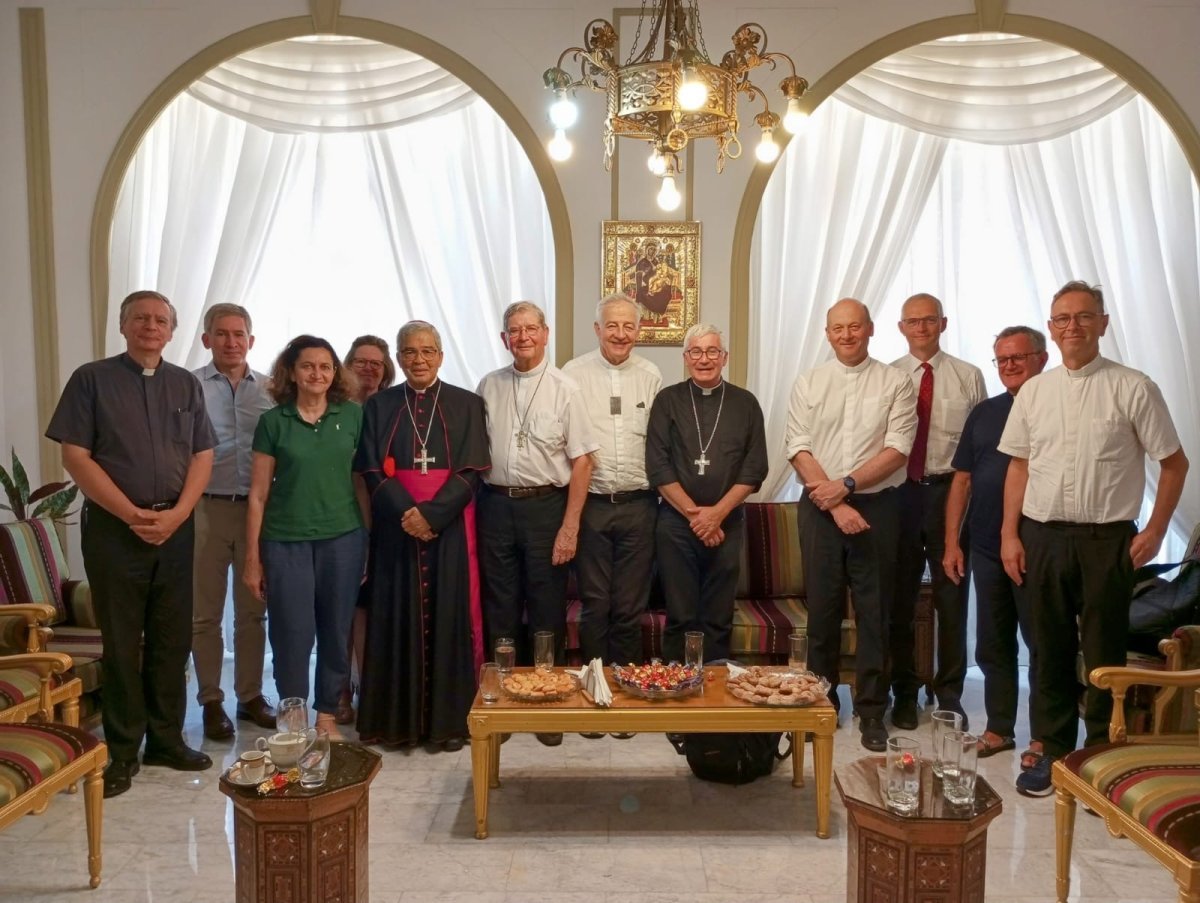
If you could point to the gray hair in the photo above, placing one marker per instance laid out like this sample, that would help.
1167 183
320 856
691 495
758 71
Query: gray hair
142 295
923 296
699 331
1035 336
522 307
1078 285
610 300
416 327
225 309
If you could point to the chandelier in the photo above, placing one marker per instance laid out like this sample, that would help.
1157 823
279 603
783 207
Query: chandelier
672 97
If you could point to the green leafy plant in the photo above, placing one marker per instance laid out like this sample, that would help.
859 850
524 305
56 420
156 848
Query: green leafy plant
51 500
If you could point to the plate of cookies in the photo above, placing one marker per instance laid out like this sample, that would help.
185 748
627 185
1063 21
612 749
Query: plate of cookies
540 686
778 686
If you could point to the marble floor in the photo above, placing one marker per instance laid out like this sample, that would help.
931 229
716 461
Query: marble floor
592 821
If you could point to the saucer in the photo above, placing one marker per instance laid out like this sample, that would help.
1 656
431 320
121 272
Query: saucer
234 775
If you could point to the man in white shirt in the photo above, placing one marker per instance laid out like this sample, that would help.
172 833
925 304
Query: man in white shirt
533 495
1079 435
850 428
947 389
616 540
235 396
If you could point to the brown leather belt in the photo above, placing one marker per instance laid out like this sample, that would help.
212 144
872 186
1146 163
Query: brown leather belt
620 498
226 496
524 492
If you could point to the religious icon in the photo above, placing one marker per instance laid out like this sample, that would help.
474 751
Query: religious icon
658 266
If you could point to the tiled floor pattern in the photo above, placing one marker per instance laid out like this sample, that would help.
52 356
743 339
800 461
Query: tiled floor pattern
592 821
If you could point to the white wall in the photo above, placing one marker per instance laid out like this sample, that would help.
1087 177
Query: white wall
106 56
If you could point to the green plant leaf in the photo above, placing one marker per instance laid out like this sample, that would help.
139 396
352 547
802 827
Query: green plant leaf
9 489
49 489
20 478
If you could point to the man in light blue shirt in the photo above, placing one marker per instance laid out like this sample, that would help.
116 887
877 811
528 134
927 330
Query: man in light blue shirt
235 396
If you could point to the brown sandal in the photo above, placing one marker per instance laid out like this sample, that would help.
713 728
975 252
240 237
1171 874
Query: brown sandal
990 743
1030 757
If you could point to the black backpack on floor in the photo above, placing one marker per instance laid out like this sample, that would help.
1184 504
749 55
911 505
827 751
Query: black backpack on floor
730 758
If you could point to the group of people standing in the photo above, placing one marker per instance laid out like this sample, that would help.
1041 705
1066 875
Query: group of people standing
412 526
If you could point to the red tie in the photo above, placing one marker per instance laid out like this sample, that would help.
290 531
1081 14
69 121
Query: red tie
916 460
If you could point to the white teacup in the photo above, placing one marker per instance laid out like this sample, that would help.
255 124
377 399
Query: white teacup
254 765
284 748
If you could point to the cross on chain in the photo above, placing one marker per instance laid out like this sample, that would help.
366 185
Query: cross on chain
424 459
702 462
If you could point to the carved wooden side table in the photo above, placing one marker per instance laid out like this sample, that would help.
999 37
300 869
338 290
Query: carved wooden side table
299 845
937 855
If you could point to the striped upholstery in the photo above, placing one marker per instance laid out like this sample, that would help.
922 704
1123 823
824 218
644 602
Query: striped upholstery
771 565
18 685
32 565
30 753
653 624
1158 786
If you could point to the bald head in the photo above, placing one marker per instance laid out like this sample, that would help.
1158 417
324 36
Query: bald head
847 307
848 328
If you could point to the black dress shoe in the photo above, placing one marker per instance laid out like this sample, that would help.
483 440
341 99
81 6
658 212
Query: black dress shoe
904 713
259 711
181 758
454 744
217 725
550 739
874 734
118 777
592 735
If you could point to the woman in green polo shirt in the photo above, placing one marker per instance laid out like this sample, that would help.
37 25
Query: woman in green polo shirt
306 544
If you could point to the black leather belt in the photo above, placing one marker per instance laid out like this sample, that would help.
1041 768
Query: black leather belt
620 498
160 506
524 492
226 496
933 479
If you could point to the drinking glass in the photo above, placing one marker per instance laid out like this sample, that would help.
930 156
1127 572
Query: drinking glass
798 652
543 650
903 775
506 654
292 715
314 761
943 721
960 765
489 682
693 649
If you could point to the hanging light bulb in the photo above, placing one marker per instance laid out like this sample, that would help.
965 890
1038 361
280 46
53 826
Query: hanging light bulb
560 146
669 196
656 162
795 119
563 112
693 91
767 150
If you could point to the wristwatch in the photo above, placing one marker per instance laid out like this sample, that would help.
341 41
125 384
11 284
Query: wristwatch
850 485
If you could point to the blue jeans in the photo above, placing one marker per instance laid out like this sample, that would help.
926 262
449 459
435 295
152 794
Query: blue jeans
311 589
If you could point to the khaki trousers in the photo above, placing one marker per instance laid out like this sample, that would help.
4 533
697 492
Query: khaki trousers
221 542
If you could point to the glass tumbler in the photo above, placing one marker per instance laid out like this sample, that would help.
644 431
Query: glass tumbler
314 761
489 683
292 715
506 654
543 650
943 721
798 652
903 775
693 649
960 765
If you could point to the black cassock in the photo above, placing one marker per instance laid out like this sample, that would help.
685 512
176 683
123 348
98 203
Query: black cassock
425 635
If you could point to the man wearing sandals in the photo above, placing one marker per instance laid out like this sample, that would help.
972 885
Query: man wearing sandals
977 493
1078 436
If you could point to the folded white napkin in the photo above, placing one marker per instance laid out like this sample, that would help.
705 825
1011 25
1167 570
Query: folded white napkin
735 670
591 676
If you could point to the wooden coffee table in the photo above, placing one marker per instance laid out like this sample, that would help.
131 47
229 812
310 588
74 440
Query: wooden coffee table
712 711
936 855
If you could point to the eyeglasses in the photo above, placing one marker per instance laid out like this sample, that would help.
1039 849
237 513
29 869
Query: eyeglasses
366 363
914 322
515 332
1014 358
1062 321
426 354
713 354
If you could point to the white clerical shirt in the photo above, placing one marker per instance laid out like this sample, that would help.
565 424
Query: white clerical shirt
844 416
1085 434
957 388
537 424
618 398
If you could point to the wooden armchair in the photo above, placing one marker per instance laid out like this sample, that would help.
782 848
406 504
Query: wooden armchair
1146 792
32 686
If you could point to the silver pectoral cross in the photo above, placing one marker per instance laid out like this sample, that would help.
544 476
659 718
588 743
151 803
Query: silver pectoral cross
520 439
701 463
424 459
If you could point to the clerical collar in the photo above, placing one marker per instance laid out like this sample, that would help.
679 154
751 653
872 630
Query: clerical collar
704 391
855 368
420 392
1087 369
536 371
136 366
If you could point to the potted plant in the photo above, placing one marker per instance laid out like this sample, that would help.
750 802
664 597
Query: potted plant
50 501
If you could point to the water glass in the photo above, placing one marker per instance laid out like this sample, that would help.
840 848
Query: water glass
543 650
960 766
292 715
798 652
693 649
314 761
903 775
943 721
489 683
506 654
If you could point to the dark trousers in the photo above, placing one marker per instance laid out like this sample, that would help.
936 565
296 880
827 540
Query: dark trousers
1002 608
516 546
864 564
923 541
143 599
1084 572
613 567
699 583
312 586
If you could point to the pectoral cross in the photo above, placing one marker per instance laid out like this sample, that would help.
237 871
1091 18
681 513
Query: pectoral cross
701 463
520 439
424 459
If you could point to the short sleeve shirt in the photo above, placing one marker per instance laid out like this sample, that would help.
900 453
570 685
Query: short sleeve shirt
957 388
141 427
978 454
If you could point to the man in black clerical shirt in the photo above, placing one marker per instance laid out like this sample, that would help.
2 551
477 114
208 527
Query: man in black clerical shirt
136 438
706 450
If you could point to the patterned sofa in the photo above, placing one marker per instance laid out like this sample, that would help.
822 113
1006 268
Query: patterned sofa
34 571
